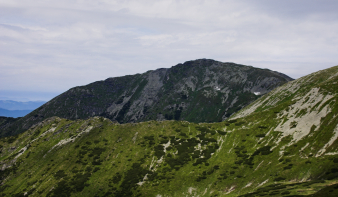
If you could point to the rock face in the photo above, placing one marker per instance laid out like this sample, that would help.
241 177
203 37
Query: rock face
197 91
283 144
305 111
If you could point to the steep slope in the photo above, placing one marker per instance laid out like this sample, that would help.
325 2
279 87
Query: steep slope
303 107
4 121
196 91
264 150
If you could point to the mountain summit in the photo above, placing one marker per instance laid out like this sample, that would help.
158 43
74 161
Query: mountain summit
283 144
203 90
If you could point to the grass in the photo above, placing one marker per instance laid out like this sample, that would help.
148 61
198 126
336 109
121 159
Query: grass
106 161
238 157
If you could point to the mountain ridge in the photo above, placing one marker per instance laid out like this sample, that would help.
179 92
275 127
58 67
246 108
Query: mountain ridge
202 90
263 150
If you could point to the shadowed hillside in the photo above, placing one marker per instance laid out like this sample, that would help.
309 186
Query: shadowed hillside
196 91
283 144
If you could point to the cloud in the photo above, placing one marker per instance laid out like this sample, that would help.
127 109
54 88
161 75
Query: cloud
55 45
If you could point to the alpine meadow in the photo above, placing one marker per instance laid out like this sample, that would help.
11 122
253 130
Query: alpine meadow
201 128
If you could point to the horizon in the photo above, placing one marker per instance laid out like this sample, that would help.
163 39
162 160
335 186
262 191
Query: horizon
48 48
24 96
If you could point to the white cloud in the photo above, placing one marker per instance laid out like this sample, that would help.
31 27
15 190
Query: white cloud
55 45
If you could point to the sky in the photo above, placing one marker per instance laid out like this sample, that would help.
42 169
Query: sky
50 46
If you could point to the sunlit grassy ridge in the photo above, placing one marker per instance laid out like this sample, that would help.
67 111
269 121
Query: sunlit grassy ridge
282 145
106 160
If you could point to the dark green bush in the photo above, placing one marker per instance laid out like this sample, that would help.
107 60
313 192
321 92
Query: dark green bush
239 123
62 189
59 174
159 151
288 167
279 179
117 178
265 150
97 162
285 192
96 141
216 167
260 135
239 162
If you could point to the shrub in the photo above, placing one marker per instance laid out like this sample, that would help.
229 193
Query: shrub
265 150
279 179
288 167
221 132
96 141
293 124
239 123
159 151
117 178
59 174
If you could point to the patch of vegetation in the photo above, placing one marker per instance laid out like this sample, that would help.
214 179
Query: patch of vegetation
265 150
260 135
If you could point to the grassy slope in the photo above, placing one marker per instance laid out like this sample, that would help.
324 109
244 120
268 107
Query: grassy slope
90 164
245 156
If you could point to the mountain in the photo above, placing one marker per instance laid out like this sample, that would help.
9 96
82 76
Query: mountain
14 113
197 91
17 105
7 120
283 144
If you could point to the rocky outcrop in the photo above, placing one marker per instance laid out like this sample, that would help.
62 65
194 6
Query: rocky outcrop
203 90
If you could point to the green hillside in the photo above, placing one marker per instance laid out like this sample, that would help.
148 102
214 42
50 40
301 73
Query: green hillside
283 144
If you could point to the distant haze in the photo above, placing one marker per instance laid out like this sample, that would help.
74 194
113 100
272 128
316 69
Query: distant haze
48 47
14 113
14 105
26 96
10 108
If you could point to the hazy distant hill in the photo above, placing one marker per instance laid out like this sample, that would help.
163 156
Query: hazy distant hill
197 91
283 144
14 113
17 105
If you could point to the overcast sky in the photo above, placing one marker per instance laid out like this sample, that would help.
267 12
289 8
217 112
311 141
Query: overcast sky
47 47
